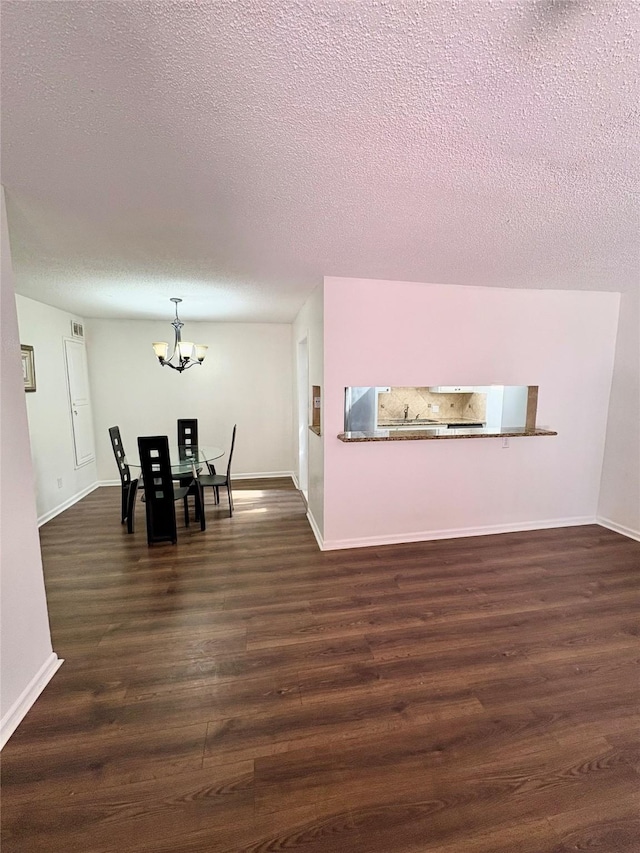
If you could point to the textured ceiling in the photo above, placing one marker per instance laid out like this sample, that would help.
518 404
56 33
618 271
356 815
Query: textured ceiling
234 152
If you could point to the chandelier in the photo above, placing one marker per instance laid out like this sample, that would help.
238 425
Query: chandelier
185 353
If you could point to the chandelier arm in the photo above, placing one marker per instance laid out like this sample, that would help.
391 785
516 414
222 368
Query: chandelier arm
182 366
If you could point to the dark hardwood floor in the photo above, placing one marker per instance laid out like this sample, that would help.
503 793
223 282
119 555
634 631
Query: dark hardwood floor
243 691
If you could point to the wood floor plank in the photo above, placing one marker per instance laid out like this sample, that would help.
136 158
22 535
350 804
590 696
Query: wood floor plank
56 768
244 691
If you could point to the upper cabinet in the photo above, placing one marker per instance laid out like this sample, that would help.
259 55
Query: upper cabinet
452 389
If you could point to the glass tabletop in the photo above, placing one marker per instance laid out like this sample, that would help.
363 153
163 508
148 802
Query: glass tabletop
183 457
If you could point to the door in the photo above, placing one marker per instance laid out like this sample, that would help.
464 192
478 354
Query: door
303 417
80 401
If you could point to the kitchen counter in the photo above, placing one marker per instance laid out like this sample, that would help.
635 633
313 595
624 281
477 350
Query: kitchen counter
420 433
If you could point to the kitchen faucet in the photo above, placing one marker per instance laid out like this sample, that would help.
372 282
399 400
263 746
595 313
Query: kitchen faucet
406 411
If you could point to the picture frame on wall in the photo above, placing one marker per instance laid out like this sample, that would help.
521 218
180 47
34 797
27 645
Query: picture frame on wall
28 367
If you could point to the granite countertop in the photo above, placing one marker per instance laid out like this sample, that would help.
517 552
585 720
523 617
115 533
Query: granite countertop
438 433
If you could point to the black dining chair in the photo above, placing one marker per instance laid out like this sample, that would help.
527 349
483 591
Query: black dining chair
188 435
129 484
187 444
217 480
161 494
188 450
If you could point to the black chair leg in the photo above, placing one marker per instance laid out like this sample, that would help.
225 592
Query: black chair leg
131 505
124 503
186 511
230 499
200 505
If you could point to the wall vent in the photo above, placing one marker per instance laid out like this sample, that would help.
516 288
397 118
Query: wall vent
77 329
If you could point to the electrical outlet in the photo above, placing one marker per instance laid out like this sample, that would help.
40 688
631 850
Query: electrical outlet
59 482
435 408
505 443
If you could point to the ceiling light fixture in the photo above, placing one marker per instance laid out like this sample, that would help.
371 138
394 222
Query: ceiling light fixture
187 353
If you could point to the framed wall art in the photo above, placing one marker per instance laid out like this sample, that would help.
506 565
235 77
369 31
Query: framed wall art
28 367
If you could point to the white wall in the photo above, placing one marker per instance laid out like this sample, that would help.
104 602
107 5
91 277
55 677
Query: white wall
27 660
309 323
619 505
402 333
245 379
50 426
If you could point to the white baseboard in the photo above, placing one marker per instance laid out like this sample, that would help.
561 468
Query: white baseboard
296 482
66 504
316 530
18 711
618 528
263 475
455 533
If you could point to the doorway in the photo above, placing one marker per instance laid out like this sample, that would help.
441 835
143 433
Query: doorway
303 416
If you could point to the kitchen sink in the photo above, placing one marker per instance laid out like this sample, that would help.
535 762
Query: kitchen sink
425 423
409 423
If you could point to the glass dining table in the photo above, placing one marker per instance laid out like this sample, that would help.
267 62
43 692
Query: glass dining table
185 458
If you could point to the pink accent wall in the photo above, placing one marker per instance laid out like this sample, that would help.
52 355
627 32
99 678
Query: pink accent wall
405 333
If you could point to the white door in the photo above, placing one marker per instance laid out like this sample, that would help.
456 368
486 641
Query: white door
303 417
80 401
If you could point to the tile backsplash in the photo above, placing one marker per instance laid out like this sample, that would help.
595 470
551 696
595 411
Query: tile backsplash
421 401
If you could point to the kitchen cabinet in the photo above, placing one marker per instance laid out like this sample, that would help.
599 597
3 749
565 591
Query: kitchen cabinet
507 406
